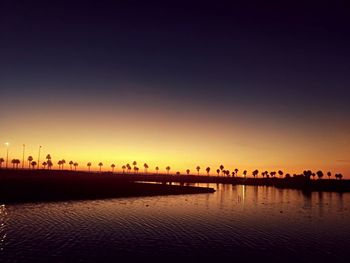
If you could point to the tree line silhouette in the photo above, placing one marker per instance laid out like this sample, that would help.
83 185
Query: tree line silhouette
127 169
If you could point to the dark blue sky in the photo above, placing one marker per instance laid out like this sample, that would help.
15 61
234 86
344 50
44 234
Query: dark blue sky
290 57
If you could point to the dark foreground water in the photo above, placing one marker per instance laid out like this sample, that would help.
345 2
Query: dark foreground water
235 224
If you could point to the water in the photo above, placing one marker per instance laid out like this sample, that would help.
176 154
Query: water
237 223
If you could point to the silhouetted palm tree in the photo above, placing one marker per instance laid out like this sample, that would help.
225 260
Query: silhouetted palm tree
123 168
319 174
273 174
134 163
89 165
233 174
157 169
263 174
2 160
245 173
71 165
167 169
145 165
49 164
30 159
313 175
218 171
227 172
44 164
198 168
128 167
48 157
329 174
100 164
113 166
287 175
222 168
236 171
59 164
33 164
177 173
207 170
340 176
307 174
63 161
136 169
280 173
188 171
15 162
255 173
75 166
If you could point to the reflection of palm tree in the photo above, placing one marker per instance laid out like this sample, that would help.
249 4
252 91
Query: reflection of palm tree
188 171
319 174
30 159
207 170
33 164
146 167
198 168
167 169
89 166
2 160
329 174
157 169
113 166
75 166
100 164
123 167
71 165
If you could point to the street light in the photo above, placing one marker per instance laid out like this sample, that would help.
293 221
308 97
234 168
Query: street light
7 153
39 157
24 147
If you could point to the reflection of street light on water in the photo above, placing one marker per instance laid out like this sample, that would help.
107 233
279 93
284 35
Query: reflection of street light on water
7 153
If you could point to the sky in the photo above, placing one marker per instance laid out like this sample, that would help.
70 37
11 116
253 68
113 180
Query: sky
246 84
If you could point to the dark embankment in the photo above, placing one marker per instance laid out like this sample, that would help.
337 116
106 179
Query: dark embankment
31 186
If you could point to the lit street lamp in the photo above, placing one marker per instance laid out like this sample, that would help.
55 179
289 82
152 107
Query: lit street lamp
39 157
24 147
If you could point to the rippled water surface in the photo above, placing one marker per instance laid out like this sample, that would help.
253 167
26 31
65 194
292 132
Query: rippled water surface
235 223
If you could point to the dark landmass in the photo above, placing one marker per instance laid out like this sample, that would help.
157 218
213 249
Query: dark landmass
17 186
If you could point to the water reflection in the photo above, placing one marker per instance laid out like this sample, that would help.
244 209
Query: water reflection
236 222
3 220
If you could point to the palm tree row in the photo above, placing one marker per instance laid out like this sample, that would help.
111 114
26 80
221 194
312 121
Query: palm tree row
127 168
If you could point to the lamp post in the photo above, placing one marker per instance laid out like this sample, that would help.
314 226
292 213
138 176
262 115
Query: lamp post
7 153
24 147
39 158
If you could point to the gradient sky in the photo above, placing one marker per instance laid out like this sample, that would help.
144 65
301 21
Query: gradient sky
248 85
